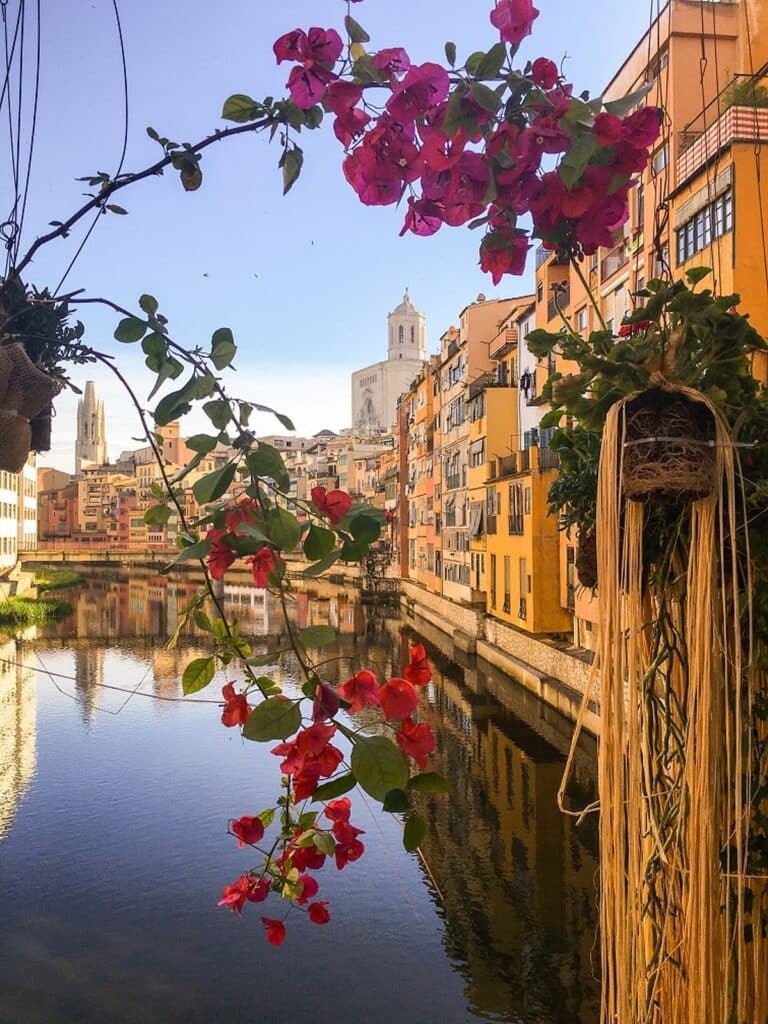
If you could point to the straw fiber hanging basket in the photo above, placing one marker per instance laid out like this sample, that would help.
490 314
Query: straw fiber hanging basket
668 450
26 391
586 559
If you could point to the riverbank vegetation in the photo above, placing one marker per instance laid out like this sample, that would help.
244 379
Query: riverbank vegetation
29 611
57 579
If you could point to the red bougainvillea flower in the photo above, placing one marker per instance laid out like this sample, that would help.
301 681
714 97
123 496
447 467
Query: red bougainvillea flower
318 913
513 19
544 73
254 890
309 889
643 127
348 846
341 96
418 741
307 84
309 757
241 512
361 690
248 829
262 564
221 557
395 61
338 810
424 218
275 931
398 698
236 708
291 46
326 703
504 251
303 858
320 45
417 671
607 129
631 330
333 504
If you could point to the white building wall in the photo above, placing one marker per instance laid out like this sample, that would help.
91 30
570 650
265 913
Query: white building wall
9 519
530 415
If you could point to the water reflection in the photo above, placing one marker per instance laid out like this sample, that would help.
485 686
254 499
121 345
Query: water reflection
511 878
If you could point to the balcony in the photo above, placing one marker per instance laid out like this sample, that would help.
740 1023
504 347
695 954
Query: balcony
614 260
561 299
503 343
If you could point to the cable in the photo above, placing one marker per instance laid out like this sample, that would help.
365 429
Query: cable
31 134
117 173
757 148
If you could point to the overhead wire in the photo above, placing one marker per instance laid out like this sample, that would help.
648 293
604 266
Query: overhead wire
99 213
757 147
32 131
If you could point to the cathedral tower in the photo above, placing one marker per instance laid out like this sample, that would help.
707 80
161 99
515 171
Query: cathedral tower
91 446
407 331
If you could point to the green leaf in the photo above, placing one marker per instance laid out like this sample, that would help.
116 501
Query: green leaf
203 622
318 543
356 32
492 62
291 163
325 843
157 515
474 60
211 486
223 348
176 404
267 817
130 329
485 98
575 161
198 674
365 529
273 719
201 549
396 801
696 274
450 54
414 832
430 782
114 208
282 528
267 462
218 412
551 419
379 765
621 107
336 787
325 563
149 304
202 443
318 636
241 108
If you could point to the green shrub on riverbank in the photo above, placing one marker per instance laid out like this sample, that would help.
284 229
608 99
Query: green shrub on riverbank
28 611
56 579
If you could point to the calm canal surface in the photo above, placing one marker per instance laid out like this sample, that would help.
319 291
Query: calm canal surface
113 844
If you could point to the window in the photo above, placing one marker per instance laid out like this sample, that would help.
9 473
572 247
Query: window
401 334
413 335
516 523
493 581
540 291
507 584
659 161
713 221
527 501
477 453
640 206
582 320
525 586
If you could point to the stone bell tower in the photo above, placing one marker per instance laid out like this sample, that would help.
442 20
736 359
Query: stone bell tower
91 445
407 332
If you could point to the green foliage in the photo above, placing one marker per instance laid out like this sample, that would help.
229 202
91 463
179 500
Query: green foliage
57 579
197 675
430 782
318 636
29 611
744 92
379 765
414 832
282 528
335 787
274 719
213 485
396 801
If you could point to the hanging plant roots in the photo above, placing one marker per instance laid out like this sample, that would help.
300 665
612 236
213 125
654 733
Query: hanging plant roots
656 465
41 430
586 559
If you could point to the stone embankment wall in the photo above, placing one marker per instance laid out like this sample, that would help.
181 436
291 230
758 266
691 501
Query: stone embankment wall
557 673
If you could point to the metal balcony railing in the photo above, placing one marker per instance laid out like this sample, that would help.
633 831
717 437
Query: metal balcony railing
562 300
614 260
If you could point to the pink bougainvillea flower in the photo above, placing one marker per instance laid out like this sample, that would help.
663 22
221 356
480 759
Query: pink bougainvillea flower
333 504
423 86
424 218
307 84
544 73
318 913
643 127
607 129
324 46
309 889
220 557
236 708
417 671
248 829
395 61
291 46
504 251
349 125
398 698
513 19
341 96
263 564
361 690
275 931
254 890
418 741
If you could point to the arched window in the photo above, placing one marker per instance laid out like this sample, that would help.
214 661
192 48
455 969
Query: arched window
402 334
413 335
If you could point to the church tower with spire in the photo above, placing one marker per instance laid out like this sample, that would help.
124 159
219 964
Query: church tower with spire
376 388
91 445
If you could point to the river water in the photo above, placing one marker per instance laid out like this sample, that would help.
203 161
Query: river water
113 844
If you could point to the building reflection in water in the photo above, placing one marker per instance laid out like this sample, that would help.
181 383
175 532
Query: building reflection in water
516 878
18 723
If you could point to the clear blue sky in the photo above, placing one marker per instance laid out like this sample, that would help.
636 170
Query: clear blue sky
305 282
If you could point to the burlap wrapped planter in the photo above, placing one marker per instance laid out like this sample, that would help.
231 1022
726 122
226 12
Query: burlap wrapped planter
586 559
26 391
668 453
